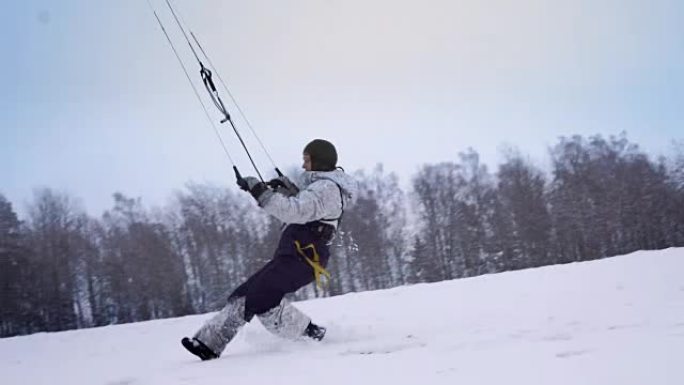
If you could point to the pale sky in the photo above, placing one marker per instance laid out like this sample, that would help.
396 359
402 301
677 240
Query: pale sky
93 101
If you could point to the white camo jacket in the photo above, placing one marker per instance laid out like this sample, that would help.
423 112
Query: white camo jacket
322 197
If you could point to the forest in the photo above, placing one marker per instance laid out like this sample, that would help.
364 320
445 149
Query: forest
61 268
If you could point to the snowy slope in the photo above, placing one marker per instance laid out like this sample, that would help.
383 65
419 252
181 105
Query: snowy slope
614 321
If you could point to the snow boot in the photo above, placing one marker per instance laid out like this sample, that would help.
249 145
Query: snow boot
314 331
196 347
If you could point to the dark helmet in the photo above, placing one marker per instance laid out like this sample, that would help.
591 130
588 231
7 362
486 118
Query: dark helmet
323 155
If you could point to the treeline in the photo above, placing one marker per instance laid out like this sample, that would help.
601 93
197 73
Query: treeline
63 269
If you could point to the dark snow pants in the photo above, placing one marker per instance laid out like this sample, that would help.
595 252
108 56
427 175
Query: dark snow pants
285 273
262 294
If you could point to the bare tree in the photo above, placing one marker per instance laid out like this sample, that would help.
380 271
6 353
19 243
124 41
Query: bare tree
15 303
523 223
436 188
456 202
54 238
223 238
608 198
146 277
376 224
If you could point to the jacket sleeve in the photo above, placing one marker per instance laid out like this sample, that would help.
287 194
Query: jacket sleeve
319 200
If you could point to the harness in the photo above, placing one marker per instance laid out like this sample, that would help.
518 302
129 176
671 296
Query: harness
314 261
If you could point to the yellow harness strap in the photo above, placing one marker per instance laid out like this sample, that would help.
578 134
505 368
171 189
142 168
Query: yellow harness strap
315 263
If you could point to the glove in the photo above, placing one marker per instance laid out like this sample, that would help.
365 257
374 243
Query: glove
283 185
247 183
252 185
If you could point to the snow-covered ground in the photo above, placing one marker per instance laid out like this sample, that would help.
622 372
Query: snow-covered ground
614 321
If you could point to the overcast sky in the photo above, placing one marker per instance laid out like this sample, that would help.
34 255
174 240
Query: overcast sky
92 100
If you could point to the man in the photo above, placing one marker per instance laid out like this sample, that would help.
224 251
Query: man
312 215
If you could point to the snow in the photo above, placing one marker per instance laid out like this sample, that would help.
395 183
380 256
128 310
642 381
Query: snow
614 321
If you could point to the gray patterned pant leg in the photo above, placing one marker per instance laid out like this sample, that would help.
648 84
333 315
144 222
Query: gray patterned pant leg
285 320
219 330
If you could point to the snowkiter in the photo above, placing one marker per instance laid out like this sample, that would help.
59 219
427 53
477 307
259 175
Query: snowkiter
311 212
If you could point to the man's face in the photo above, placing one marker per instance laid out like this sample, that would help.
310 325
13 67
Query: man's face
307 162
